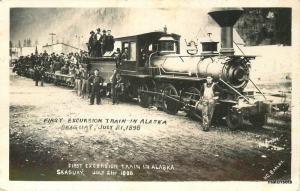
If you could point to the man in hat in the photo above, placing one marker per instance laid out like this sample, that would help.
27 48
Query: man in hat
118 57
98 43
125 55
103 42
96 82
78 70
36 74
208 102
85 84
110 41
91 44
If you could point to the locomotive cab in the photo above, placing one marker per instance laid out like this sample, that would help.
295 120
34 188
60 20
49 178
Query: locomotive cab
142 47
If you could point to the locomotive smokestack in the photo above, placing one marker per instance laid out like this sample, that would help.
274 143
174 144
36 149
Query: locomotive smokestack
226 18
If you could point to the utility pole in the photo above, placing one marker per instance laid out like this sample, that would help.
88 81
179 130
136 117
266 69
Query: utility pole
52 36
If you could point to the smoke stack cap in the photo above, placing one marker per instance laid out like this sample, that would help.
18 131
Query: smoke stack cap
226 17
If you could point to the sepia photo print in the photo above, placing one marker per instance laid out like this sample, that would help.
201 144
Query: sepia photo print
151 94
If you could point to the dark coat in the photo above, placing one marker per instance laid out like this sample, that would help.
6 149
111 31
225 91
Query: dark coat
92 41
110 41
95 82
36 74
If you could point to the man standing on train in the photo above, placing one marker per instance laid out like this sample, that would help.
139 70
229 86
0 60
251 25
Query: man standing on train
91 45
110 41
98 43
103 42
96 82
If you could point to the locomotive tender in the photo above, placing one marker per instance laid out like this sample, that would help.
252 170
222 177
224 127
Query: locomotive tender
156 74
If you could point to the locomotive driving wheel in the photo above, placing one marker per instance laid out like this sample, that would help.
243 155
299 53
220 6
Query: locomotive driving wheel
234 119
144 99
191 96
169 103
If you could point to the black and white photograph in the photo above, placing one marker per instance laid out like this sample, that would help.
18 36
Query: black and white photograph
151 94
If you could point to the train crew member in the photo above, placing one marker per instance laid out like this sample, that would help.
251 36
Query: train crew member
110 41
208 103
91 43
85 83
96 82
118 57
144 55
125 54
103 42
119 87
98 43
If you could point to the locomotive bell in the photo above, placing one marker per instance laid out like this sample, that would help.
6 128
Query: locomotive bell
226 18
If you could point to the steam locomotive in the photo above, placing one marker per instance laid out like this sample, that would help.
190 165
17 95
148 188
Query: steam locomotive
156 74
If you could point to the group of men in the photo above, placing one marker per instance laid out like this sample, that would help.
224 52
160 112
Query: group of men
95 84
90 85
52 63
100 42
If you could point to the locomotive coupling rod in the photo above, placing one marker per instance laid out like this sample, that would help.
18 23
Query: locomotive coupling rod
258 89
157 93
169 97
235 90
164 95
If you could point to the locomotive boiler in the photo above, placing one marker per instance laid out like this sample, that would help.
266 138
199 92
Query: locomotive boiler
155 73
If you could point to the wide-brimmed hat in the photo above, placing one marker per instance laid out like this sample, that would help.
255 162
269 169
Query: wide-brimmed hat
98 29
92 32
104 31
